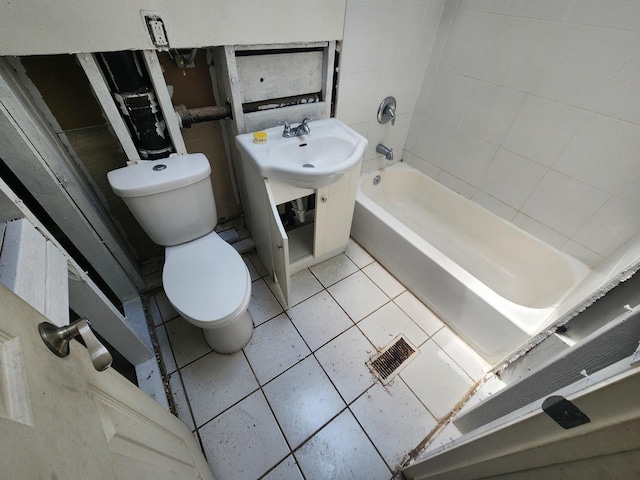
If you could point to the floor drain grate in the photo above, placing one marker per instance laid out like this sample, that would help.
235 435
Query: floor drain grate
386 364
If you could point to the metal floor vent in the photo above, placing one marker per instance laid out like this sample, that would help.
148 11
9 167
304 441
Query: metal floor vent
388 363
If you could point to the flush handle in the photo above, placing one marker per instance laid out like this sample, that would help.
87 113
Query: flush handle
58 339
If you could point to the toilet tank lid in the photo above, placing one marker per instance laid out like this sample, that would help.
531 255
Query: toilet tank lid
157 176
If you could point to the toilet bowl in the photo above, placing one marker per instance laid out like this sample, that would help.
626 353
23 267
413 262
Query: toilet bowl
204 277
209 285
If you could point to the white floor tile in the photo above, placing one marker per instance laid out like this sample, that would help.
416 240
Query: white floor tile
287 470
263 305
443 437
257 263
215 382
394 420
154 311
344 359
386 323
383 279
491 386
303 400
187 341
436 379
357 254
244 442
461 353
334 269
180 399
341 450
303 286
164 306
358 296
253 273
275 346
165 349
319 319
425 318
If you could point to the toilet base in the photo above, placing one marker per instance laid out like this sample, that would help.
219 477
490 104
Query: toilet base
231 338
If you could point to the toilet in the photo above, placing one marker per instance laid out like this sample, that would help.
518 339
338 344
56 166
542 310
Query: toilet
204 277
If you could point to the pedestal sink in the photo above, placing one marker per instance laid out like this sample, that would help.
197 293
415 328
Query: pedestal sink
308 161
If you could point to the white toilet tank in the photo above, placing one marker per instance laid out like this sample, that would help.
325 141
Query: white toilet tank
171 198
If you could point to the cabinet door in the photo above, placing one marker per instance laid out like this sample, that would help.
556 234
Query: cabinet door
334 213
279 245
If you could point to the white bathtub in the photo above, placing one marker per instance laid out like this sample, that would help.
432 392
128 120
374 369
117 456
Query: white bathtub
492 283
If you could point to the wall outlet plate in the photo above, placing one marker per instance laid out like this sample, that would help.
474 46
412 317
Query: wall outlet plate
157 32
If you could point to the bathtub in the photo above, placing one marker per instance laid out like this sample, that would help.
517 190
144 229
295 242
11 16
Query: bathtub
495 285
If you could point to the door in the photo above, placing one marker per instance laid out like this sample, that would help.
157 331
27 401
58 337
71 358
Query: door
279 244
60 418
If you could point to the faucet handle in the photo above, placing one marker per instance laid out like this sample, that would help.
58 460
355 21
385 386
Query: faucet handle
305 125
287 128
390 112
387 111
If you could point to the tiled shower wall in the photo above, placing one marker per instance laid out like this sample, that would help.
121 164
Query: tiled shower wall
531 108
385 52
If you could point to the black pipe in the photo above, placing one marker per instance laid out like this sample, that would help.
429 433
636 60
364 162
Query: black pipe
134 95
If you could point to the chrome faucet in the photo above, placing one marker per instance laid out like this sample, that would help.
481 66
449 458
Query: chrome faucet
387 152
302 129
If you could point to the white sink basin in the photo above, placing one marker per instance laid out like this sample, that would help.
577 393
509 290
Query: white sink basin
308 161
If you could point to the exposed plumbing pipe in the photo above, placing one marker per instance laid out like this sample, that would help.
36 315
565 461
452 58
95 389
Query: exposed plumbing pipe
299 209
188 116
135 97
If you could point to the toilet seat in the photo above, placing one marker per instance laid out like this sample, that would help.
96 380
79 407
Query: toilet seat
206 281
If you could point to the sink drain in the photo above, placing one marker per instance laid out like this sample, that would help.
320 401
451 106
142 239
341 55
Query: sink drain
308 165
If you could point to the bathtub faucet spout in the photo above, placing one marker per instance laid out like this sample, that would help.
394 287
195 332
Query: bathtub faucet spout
387 152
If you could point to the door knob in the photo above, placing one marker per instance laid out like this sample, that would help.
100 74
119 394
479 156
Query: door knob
58 338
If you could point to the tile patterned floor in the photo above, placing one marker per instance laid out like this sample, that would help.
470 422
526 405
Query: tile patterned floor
298 402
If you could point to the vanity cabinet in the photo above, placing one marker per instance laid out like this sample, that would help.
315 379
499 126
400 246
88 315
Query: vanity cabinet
323 234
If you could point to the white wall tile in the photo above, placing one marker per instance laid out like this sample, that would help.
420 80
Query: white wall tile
519 51
363 41
623 14
582 253
542 9
539 230
427 37
457 185
584 63
542 128
434 141
489 6
405 19
611 226
449 96
491 111
603 153
470 38
511 178
442 33
355 94
469 158
425 89
563 203
621 99
403 83
494 205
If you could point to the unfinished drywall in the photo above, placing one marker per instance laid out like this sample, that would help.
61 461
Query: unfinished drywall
29 28
66 92
192 88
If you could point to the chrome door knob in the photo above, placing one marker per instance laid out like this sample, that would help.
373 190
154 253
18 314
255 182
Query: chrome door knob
58 338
